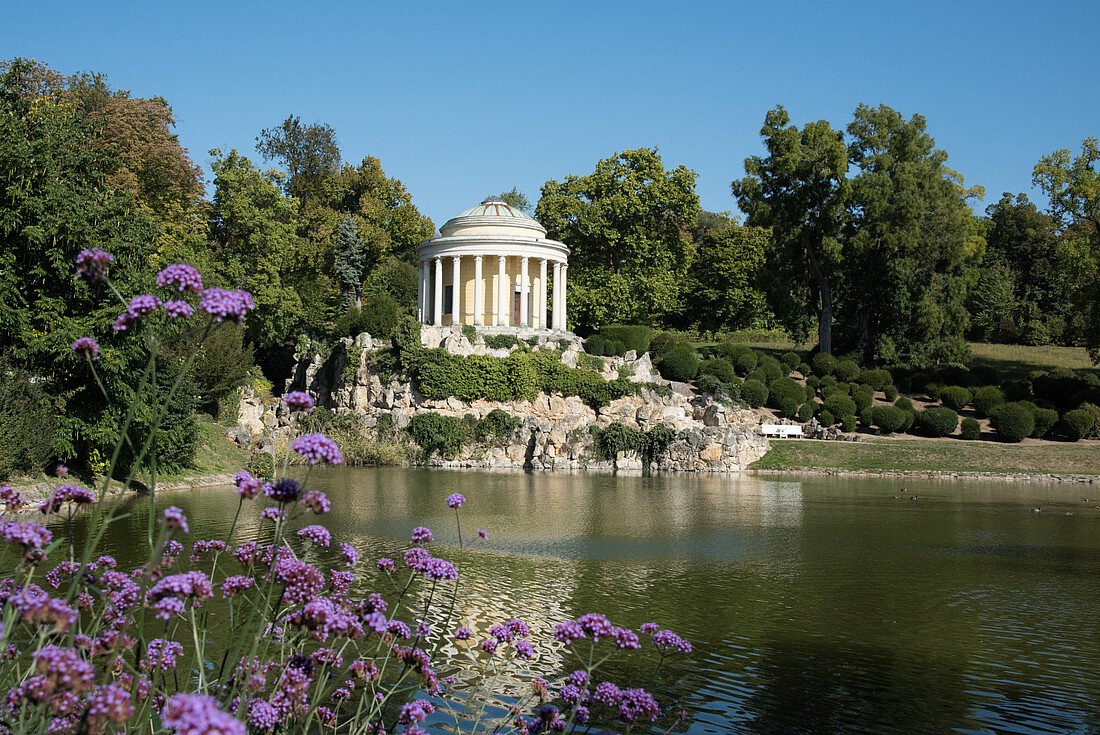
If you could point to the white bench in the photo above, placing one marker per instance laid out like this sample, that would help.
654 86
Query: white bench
781 431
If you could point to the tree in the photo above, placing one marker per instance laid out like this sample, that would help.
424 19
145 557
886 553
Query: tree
309 153
516 199
1073 186
627 225
909 231
349 253
799 190
723 277
252 230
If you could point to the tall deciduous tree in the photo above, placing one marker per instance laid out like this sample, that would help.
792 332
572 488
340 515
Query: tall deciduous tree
909 234
723 278
309 153
1073 185
628 226
799 190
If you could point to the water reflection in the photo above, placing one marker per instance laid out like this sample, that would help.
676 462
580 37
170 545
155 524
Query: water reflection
816 606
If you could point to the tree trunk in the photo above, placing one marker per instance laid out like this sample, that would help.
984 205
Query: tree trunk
825 312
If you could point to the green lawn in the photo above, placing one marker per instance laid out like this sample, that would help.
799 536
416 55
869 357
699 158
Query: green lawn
1016 361
878 454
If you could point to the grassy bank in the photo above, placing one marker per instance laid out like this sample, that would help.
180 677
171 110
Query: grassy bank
878 454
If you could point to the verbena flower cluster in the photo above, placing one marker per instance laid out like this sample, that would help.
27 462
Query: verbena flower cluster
291 634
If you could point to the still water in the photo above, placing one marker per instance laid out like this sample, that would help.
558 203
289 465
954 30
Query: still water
815 605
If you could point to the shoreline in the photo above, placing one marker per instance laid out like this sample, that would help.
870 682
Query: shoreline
960 475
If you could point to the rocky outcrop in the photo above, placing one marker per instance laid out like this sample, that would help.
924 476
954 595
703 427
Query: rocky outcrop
555 430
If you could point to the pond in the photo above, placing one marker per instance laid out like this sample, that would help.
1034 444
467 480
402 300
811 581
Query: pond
815 604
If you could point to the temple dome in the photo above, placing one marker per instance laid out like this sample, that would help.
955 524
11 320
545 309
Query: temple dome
493 216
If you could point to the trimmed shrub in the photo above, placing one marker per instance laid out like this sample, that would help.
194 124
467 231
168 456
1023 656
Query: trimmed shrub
501 341
810 393
805 412
954 397
617 438
919 381
1045 419
826 418
1077 424
987 398
435 433
790 360
771 368
497 426
877 379
904 403
804 368
846 370
1094 409
380 314
1017 390
661 343
891 393
786 395
754 393
971 428
956 375
680 363
1013 421
866 418
823 364
742 357
938 421
888 419
719 368
839 404
631 336
863 399
600 345
848 423
812 381
910 420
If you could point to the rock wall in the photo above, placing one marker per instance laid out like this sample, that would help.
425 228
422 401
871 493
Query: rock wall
554 434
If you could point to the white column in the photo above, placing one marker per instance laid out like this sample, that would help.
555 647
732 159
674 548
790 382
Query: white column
502 299
555 309
540 297
456 291
438 310
564 297
479 293
422 294
524 289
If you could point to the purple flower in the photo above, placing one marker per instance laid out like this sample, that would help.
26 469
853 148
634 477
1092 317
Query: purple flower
422 535
596 625
142 305
386 565
455 500
235 584
607 693
483 533
568 631
161 655
222 304
635 703
67 493
351 556
439 570
199 714
518 627
283 490
124 321
416 558
299 401
87 346
415 711
262 716
174 518
302 581
92 264
399 629
625 638
423 629
316 501
318 535
669 642
272 514
64 669
463 633
11 498
168 595
110 703
178 309
247 485
27 534
489 645
317 448
182 276
649 627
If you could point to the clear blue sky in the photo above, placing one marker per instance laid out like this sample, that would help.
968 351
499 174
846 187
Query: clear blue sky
460 100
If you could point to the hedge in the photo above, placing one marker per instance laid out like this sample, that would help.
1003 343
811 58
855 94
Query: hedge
939 421
598 344
771 368
632 336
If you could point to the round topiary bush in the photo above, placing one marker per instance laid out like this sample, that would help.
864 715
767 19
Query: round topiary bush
971 429
877 379
812 381
891 393
681 363
846 370
1045 419
804 368
811 394
987 398
754 393
848 423
790 360
805 412
866 418
823 364
771 368
904 403
720 368
938 421
1013 421
707 383
954 397
786 395
910 420
839 404
1077 424
888 419
742 357
1017 390
826 418
863 398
